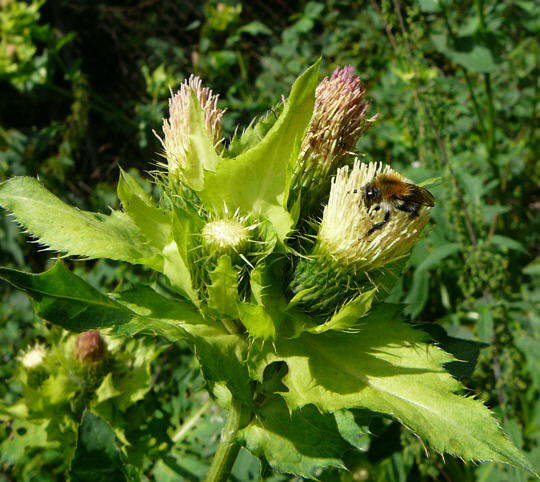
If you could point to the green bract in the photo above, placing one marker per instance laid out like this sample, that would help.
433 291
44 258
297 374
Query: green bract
286 317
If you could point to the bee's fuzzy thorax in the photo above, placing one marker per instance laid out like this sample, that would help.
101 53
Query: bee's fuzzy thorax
392 184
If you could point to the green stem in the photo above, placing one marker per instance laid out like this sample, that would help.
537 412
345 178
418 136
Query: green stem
190 423
227 451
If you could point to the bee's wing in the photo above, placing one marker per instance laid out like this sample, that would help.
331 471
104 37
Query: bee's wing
419 195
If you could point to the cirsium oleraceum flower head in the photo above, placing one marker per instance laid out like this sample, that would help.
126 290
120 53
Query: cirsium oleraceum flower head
228 234
344 232
339 119
33 357
176 128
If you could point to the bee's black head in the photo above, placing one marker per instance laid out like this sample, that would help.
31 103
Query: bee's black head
372 194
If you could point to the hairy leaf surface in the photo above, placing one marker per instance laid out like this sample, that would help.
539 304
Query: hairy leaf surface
388 368
72 231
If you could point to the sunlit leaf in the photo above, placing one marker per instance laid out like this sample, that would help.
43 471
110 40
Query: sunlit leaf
389 368
71 231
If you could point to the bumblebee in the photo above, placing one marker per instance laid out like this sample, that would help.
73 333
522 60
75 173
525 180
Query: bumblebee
388 191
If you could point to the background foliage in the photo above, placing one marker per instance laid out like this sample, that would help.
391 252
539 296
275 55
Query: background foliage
83 84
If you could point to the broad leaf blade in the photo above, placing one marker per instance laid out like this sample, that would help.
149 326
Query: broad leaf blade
300 443
388 368
257 181
71 231
64 299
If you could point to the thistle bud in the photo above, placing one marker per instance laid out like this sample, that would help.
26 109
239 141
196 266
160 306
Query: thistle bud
32 358
349 253
224 235
90 348
176 128
339 119
32 362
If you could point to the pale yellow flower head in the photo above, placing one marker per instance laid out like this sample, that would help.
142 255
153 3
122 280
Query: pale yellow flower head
225 234
33 357
344 230
228 234
176 128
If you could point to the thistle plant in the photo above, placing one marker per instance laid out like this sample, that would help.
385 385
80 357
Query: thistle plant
286 315
73 385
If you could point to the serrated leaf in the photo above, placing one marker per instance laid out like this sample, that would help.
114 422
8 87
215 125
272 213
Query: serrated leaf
74 232
389 368
466 352
299 443
64 299
223 289
154 223
257 181
349 315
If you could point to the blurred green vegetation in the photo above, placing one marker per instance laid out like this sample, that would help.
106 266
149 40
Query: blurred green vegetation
84 84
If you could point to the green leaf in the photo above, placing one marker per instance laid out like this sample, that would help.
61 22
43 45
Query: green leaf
253 134
349 315
98 455
69 230
263 172
300 443
175 258
222 358
353 427
472 53
437 255
507 243
64 299
466 352
258 322
388 368
154 223
223 289
201 154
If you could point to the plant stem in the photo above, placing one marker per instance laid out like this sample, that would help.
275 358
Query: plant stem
190 423
228 448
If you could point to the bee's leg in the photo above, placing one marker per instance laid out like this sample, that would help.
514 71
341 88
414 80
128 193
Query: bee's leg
411 208
378 226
